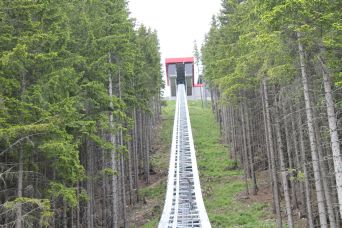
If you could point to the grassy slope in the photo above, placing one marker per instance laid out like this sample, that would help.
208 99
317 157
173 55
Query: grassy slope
220 185
160 161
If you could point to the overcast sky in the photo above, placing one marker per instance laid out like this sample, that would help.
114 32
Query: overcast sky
178 22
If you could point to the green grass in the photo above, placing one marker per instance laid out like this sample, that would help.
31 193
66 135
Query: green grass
154 191
160 161
152 224
220 184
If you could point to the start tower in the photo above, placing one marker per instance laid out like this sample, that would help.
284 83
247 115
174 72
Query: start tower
180 71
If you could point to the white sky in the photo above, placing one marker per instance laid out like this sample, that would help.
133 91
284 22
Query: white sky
178 22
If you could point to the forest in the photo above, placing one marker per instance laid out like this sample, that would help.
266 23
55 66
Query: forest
274 70
80 86
80 102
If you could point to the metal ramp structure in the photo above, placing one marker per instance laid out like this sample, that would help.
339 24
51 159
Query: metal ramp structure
184 205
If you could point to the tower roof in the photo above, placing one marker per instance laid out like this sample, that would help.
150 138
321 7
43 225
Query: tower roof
179 60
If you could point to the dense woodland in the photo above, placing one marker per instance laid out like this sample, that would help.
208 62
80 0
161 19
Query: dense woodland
274 69
80 90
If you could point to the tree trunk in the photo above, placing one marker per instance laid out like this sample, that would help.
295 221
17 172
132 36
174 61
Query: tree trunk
90 169
334 137
20 187
223 127
135 152
112 156
313 146
65 217
283 169
78 206
123 176
123 191
212 100
104 189
250 151
71 217
230 132
245 152
272 156
19 217
141 143
298 165
130 175
324 170
267 146
234 146
289 155
146 149
305 170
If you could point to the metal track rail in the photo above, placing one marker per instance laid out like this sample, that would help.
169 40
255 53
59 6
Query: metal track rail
184 205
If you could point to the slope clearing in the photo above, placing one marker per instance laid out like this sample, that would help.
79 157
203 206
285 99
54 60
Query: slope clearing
222 185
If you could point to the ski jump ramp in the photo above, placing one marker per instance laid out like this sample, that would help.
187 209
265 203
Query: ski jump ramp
184 205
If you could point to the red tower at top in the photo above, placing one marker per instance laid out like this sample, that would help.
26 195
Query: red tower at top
180 71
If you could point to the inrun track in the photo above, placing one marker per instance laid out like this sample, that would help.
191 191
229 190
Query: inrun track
184 205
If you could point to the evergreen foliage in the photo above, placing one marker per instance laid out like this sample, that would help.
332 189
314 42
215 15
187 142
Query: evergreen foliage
274 69
55 108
